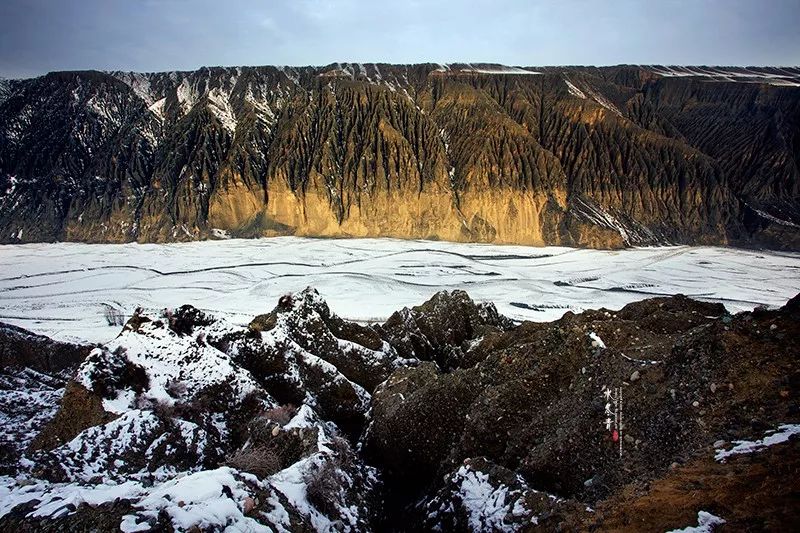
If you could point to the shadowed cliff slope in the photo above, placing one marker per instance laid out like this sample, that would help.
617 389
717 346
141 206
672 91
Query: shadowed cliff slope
602 157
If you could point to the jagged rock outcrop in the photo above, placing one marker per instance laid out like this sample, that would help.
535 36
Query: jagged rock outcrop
34 371
187 418
600 157
21 348
442 329
475 423
532 408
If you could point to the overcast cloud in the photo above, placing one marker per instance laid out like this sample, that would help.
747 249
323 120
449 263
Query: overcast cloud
37 36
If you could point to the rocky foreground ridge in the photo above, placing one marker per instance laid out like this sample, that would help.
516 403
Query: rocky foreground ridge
447 417
600 157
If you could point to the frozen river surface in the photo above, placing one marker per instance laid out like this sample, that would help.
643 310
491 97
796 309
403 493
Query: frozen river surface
62 289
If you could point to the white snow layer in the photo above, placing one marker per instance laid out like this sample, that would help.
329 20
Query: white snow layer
706 522
596 338
219 104
28 400
197 499
483 69
768 75
60 289
487 506
167 358
573 90
772 437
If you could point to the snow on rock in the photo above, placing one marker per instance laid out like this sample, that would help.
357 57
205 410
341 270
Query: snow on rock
168 358
55 499
11 186
481 496
573 90
157 108
314 341
769 75
290 73
603 101
219 104
217 498
28 400
185 393
208 499
706 523
486 505
773 218
596 340
140 83
291 483
186 94
630 232
220 233
502 70
138 443
347 485
483 69
300 347
325 490
772 437
304 418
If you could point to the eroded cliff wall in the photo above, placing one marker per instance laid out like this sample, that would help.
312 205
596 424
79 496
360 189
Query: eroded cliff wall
601 157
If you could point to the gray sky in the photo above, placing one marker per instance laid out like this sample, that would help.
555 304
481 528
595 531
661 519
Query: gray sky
37 36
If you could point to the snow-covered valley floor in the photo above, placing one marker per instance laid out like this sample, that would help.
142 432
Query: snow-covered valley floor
63 290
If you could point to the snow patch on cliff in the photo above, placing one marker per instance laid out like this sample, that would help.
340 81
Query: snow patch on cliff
776 436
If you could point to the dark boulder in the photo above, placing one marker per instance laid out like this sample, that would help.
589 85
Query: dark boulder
21 348
441 329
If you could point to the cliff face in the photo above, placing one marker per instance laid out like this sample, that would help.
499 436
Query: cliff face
600 157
